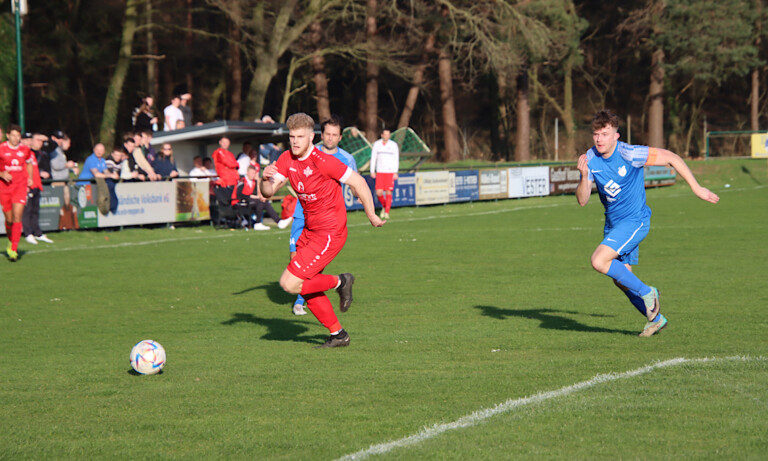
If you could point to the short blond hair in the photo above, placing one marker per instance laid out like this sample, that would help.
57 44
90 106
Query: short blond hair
300 120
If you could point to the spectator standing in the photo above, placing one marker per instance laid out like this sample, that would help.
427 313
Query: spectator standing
146 146
141 161
172 114
43 160
94 165
385 163
15 177
145 119
244 159
60 166
114 166
226 167
164 164
186 110
31 217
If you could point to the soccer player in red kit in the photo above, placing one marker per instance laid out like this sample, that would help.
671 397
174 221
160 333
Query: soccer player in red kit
315 177
15 178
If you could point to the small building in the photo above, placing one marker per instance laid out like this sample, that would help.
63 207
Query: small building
203 139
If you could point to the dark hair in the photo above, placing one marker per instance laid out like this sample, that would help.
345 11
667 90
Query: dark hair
14 127
604 118
128 136
335 120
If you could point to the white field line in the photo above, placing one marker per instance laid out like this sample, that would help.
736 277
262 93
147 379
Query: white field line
479 416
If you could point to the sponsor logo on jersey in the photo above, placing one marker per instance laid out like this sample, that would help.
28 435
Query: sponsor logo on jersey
623 171
308 197
612 189
595 171
300 186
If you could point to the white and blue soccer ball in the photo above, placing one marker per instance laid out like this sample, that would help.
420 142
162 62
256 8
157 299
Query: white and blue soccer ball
147 357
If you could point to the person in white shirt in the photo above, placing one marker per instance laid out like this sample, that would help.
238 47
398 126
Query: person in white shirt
172 114
385 163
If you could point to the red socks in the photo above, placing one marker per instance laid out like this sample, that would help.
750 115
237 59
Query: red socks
322 309
15 235
319 284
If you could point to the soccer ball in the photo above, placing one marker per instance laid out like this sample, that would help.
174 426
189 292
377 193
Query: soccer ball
147 357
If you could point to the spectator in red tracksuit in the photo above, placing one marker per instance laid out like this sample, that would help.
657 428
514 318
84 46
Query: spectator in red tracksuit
226 167
247 196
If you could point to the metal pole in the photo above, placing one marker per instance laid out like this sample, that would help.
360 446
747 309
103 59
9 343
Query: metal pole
629 129
20 84
556 139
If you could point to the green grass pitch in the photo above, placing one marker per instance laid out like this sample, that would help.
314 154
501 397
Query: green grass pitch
457 309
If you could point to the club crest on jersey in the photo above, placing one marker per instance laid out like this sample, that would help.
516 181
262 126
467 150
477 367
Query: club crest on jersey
623 171
300 186
612 189
308 171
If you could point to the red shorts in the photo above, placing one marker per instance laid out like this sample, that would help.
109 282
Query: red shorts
385 181
314 251
12 193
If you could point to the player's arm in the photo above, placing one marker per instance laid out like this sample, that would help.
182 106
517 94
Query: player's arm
30 172
360 189
663 157
584 189
397 161
272 181
372 163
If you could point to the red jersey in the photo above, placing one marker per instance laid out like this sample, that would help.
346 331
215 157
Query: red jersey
316 181
37 183
226 167
14 160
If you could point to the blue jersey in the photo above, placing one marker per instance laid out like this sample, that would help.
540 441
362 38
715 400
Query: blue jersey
345 158
620 181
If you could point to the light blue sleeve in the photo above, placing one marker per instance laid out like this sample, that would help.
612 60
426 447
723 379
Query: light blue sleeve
590 156
636 155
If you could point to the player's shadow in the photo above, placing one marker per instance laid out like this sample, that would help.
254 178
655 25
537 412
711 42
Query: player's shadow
274 293
550 319
279 329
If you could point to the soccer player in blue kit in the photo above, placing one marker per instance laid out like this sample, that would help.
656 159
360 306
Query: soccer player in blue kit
330 132
617 170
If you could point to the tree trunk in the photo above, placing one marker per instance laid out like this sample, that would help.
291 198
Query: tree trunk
262 76
319 76
450 126
371 77
189 49
115 90
503 129
418 79
656 95
236 93
523 141
152 82
568 121
755 108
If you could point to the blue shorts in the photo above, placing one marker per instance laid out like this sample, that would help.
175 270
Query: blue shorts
625 237
296 228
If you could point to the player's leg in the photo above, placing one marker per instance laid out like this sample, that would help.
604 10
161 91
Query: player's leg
297 226
16 229
620 246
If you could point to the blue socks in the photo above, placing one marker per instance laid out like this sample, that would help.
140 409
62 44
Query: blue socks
300 300
624 276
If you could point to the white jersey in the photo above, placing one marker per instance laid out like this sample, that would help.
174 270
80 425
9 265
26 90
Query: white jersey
385 158
172 115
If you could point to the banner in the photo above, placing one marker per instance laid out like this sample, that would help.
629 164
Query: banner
193 200
404 193
659 176
759 144
142 203
528 182
464 186
564 179
493 184
432 187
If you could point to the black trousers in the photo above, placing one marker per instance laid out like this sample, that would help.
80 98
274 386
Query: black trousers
30 220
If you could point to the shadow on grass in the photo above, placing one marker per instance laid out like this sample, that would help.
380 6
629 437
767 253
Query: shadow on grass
274 293
749 173
279 329
550 319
